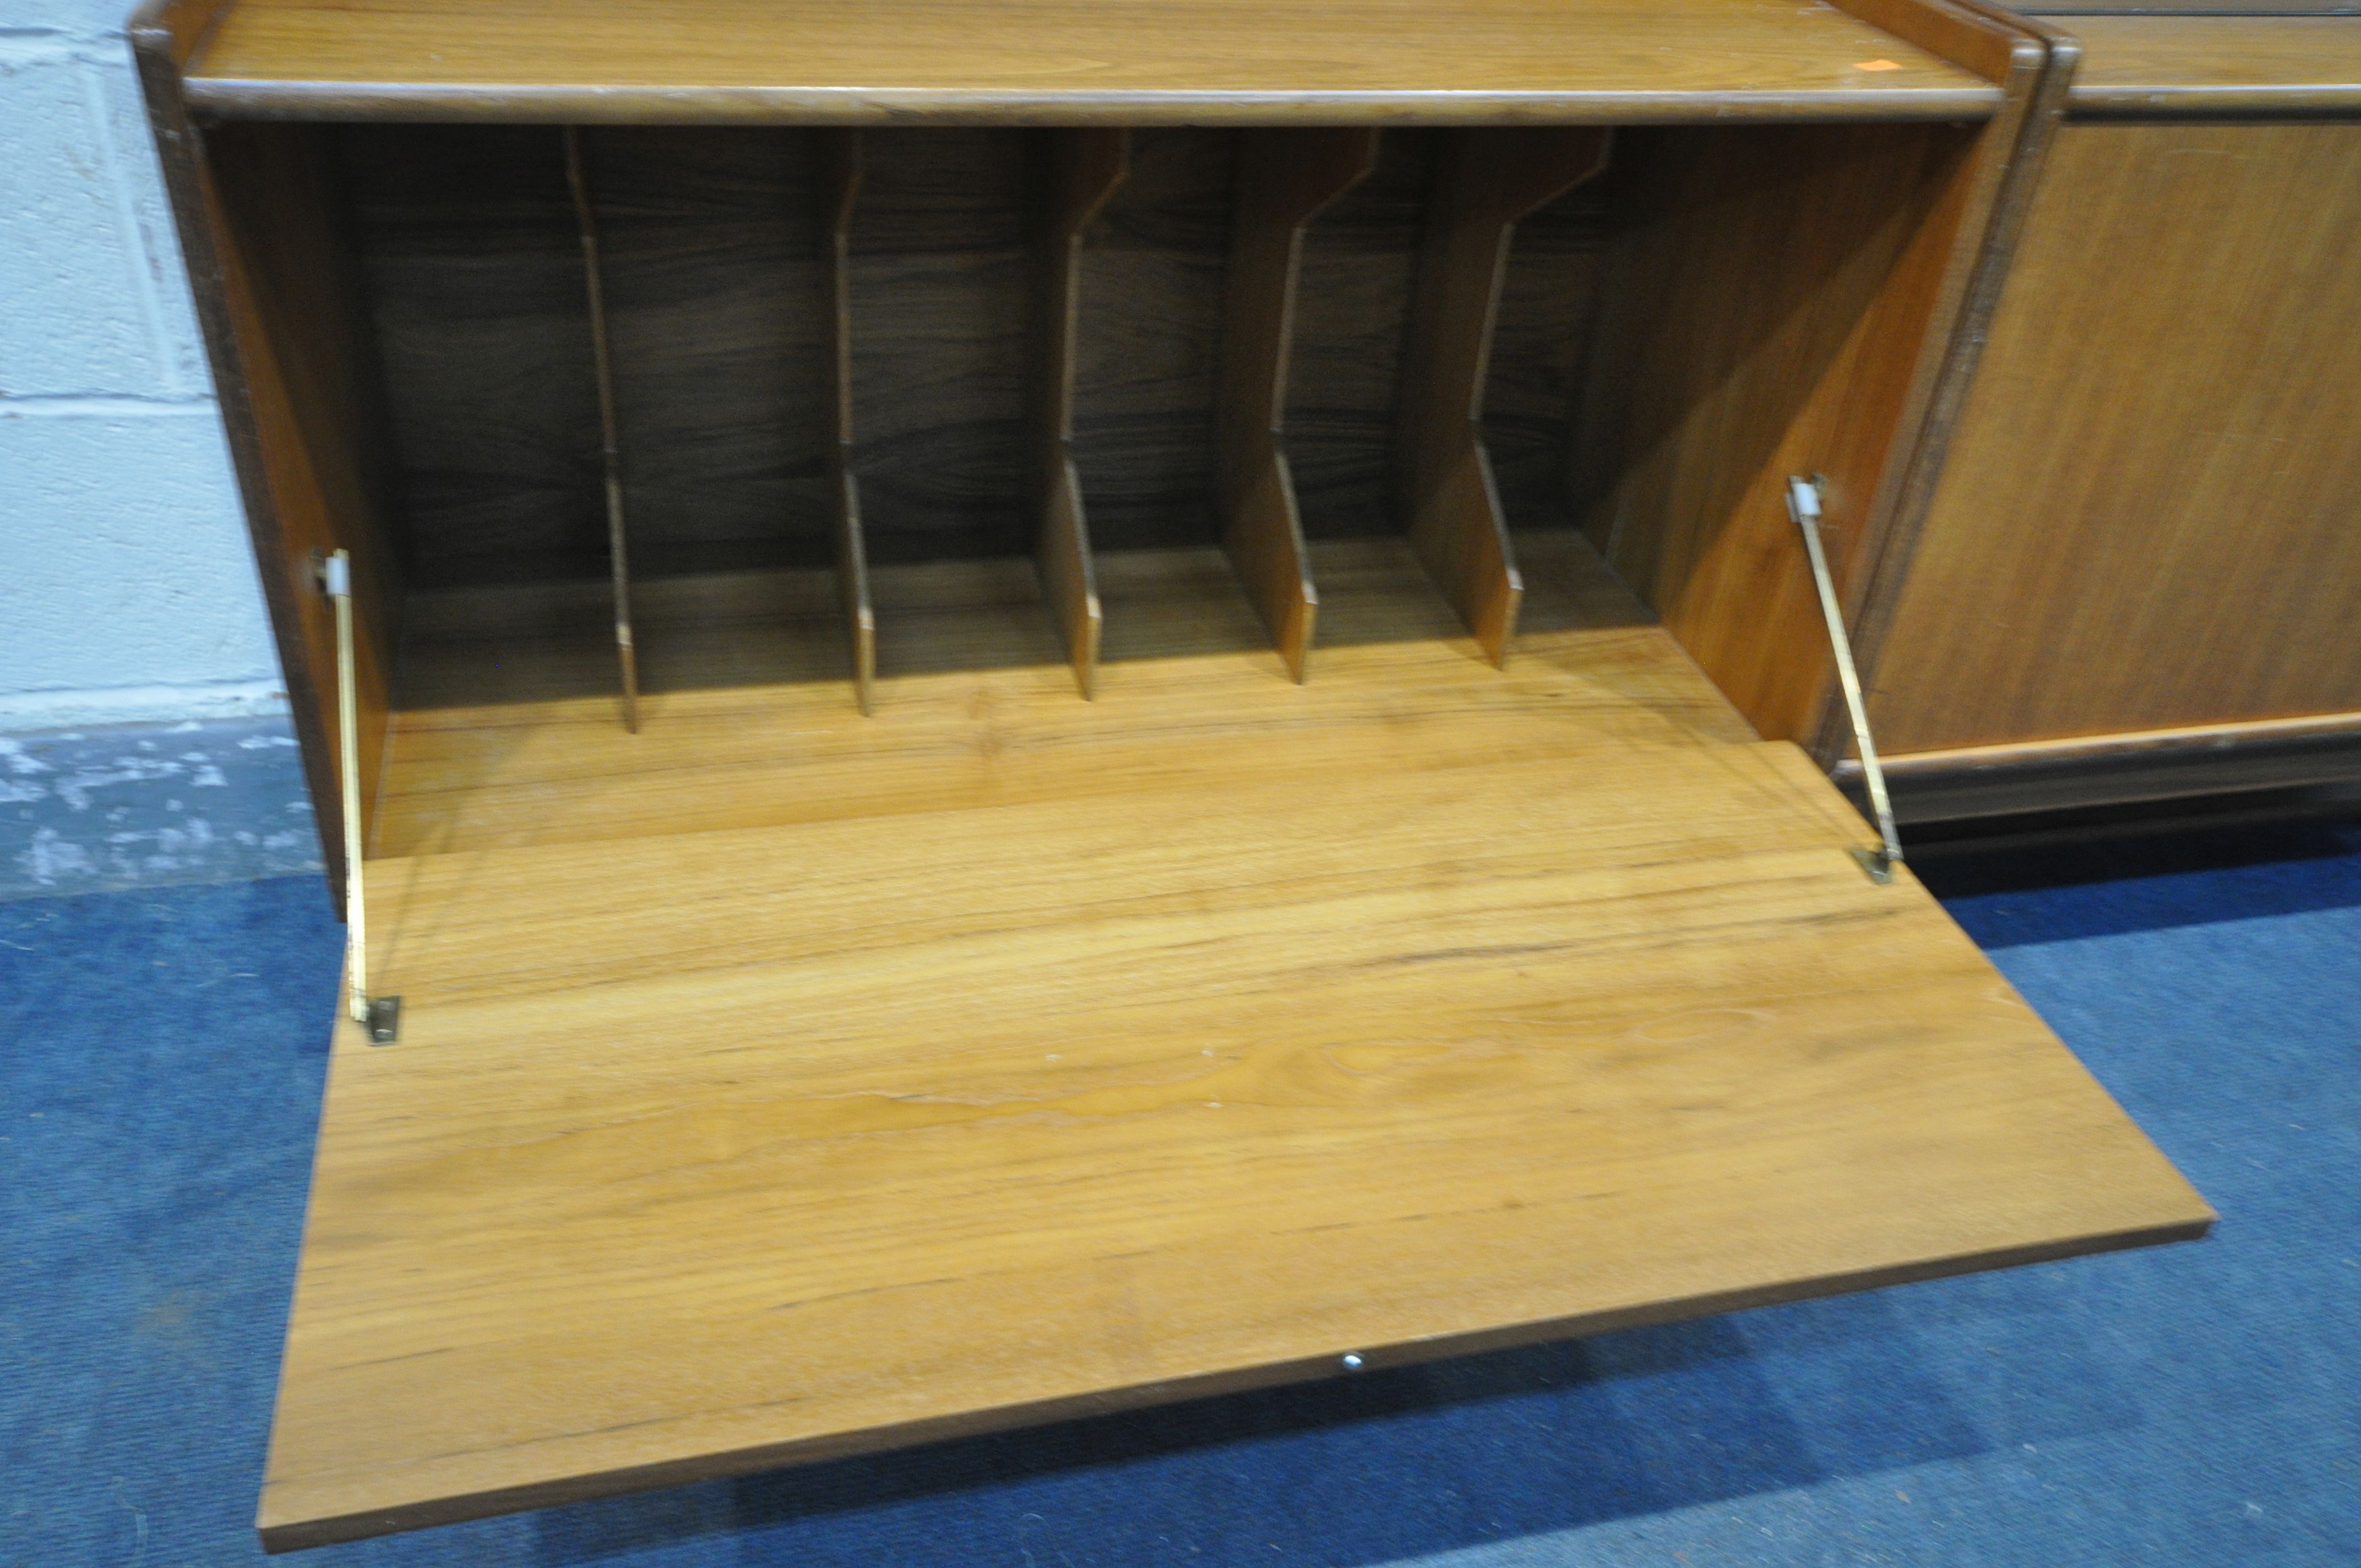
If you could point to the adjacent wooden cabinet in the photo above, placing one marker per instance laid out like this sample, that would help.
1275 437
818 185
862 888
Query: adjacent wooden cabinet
1001 747
2140 573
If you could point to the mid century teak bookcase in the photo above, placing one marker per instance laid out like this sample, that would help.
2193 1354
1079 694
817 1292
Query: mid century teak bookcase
1004 763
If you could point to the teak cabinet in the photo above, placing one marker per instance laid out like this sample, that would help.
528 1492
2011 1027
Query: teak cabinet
1006 765
2140 573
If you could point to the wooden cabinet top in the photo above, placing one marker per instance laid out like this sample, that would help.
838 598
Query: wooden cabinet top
1068 62
2175 65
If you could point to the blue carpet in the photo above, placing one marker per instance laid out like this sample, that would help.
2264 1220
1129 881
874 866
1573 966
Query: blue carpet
2196 1404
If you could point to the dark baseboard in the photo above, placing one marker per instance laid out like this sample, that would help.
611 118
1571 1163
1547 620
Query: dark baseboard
2110 772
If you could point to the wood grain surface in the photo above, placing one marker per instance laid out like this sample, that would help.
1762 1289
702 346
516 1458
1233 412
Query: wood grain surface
309 413
710 260
1135 62
943 237
927 1115
1442 491
711 249
1148 342
1078 170
2217 65
1358 266
2147 521
1540 354
506 736
1975 35
467 238
1285 177
1773 300
1992 196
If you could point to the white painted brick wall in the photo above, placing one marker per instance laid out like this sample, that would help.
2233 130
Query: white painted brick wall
127 588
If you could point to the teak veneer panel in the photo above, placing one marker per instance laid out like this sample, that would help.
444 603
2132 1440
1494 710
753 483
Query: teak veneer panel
2216 65
924 1088
507 735
1130 61
707 1152
1284 179
2151 488
944 256
1777 305
303 406
1083 170
1444 495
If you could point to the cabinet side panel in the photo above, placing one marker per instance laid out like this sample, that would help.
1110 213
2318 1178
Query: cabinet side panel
1774 302
310 392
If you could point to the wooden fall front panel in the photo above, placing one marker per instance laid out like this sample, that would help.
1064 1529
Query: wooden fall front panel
1156 855
778 1083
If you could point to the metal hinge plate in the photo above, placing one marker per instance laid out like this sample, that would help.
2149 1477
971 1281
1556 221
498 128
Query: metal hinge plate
1879 868
384 1021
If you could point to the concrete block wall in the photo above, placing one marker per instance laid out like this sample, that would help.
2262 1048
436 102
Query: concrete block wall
127 591
144 736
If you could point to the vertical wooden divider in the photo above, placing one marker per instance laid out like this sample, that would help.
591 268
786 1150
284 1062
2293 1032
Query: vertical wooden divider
1084 168
1285 177
839 189
609 432
1443 477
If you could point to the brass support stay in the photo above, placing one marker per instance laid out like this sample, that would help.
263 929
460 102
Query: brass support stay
1804 506
381 1016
